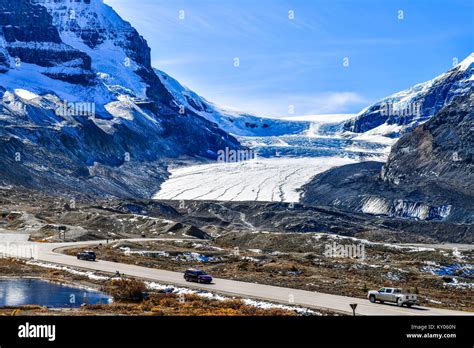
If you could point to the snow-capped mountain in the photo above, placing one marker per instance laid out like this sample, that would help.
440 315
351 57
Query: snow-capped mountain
233 122
403 111
81 106
29 36
428 175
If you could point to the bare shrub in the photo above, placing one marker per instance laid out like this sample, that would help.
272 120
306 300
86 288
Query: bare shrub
128 290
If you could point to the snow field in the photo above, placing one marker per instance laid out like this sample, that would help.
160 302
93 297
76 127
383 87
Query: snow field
273 179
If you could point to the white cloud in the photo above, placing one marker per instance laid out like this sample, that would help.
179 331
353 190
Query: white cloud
300 104
334 102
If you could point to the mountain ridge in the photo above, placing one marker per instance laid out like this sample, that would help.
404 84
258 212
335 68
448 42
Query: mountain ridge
135 127
401 112
428 175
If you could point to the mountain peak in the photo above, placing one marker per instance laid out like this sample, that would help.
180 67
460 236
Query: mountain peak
466 63
81 107
403 111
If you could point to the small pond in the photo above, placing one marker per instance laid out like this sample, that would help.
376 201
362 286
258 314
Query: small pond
18 292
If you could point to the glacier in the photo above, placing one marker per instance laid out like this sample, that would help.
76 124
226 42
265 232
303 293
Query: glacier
263 179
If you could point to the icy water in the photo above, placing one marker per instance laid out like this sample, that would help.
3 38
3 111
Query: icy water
321 146
18 292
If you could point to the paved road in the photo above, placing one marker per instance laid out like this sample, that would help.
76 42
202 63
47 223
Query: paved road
51 253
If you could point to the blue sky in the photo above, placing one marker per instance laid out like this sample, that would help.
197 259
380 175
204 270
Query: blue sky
299 61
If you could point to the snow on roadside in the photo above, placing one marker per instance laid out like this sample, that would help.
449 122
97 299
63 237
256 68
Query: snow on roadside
457 254
88 274
459 285
206 246
212 296
268 305
179 290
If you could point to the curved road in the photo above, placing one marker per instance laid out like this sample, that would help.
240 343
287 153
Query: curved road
50 252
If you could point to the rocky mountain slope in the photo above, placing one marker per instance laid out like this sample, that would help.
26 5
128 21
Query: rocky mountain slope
28 36
403 111
428 175
94 217
81 106
233 122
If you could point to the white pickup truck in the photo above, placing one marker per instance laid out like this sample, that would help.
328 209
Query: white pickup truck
396 295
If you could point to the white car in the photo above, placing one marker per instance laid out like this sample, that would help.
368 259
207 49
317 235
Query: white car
396 295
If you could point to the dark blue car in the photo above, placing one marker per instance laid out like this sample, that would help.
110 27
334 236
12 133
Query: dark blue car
195 275
86 255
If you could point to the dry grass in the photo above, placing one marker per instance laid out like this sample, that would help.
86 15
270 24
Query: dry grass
187 305
313 271
127 290
129 299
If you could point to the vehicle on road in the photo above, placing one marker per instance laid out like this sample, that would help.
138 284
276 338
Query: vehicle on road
86 255
196 275
396 295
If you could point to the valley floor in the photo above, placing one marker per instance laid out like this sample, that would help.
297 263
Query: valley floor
442 278
245 257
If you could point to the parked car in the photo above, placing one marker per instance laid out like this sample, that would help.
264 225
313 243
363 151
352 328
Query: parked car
86 255
195 275
397 295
